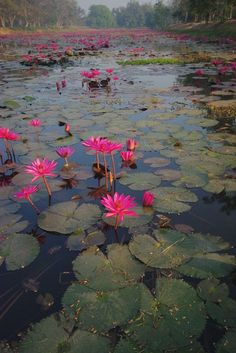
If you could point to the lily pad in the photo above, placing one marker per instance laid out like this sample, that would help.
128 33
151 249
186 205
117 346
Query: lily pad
8 206
212 290
144 217
156 162
107 273
173 199
175 318
100 310
9 224
66 217
140 181
223 312
46 336
228 343
208 265
80 240
84 341
24 245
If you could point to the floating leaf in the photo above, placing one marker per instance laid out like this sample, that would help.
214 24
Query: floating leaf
103 310
212 290
24 245
10 103
66 217
144 217
228 343
9 224
156 162
103 273
172 199
140 181
208 265
223 312
82 241
8 206
175 318
83 341
46 336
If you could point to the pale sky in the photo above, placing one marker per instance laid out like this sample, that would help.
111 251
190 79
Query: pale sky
85 4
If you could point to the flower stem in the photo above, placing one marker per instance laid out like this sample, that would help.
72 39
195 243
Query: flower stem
66 162
47 186
97 161
113 167
105 166
33 205
117 220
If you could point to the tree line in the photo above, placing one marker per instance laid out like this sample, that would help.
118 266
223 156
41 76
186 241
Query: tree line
64 13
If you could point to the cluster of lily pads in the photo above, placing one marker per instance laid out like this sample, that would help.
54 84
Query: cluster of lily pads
131 290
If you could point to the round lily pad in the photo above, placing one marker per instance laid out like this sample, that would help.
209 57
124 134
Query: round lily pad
24 245
46 336
9 224
212 290
228 343
173 199
208 265
106 273
100 310
66 217
84 341
80 240
140 181
176 317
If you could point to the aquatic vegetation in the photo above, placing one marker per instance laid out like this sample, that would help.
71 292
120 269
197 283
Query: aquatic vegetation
119 206
41 169
137 249
150 61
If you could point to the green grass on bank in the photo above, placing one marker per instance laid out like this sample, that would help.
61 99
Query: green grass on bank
149 61
212 30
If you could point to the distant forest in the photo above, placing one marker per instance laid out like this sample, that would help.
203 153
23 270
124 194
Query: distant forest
66 13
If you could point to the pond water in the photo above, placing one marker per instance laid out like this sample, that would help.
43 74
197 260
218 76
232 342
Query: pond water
164 281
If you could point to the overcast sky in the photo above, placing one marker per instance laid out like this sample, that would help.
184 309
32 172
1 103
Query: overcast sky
85 4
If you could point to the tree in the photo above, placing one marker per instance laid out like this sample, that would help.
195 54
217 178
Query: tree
100 16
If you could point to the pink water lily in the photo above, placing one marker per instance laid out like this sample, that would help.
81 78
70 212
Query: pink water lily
42 169
131 144
199 72
35 123
148 198
6 134
110 71
25 193
119 206
127 156
65 152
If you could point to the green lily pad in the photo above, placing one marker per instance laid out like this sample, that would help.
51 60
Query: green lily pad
156 162
107 273
144 217
66 217
157 254
24 245
168 174
83 341
212 290
177 317
8 206
100 310
173 199
10 103
128 346
208 265
192 178
140 181
80 240
9 224
223 312
6 192
216 186
46 336
228 343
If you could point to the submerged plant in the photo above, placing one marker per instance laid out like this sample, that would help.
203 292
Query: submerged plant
41 169
119 206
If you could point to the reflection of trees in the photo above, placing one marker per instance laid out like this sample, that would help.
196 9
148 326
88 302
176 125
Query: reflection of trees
228 201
